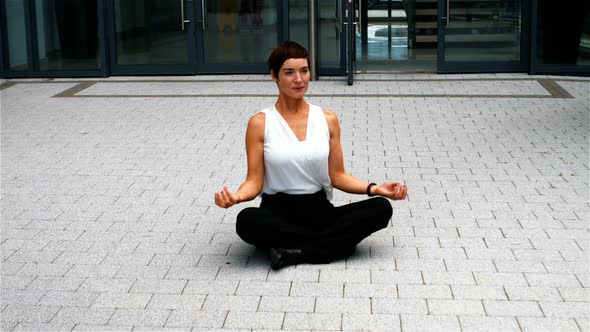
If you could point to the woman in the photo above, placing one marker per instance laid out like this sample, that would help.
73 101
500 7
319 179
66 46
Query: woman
295 159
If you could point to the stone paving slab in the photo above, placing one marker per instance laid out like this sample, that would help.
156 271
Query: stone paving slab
108 221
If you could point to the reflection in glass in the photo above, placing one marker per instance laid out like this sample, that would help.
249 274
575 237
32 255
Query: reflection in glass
484 31
239 31
67 33
150 32
382 33
563 34
328 30
397 35
299 22
17 40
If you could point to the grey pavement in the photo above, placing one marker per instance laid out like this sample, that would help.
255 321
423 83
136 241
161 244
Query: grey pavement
108 221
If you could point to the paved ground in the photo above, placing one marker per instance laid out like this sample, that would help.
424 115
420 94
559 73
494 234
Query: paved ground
108 220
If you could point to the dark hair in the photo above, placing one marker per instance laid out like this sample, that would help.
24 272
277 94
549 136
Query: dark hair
283 52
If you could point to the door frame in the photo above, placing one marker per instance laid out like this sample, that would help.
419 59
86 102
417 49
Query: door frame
222 68
32 51
342 22
151 69
350 40
552 69
28 25
3 65
195 46
444 67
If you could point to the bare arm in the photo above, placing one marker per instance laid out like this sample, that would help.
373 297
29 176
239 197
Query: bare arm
345 181
252 186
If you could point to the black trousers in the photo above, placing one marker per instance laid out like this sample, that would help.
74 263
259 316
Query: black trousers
311 223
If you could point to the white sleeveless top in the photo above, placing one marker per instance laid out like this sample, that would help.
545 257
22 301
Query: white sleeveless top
292 166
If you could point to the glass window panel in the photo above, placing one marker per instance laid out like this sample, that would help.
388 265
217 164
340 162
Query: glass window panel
383 34
328 29
16 32
563 32
67 34
239 31
150 32
483 30
299 22
397 35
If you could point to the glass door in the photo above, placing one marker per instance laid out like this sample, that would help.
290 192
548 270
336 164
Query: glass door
52 38
15 35
152 37
486 35
235 35
67 35
331 23
396 36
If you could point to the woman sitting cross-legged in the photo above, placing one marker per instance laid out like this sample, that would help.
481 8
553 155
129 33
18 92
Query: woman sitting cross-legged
295 160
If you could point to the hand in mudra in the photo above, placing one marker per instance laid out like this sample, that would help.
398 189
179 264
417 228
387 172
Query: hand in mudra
226 198
392 190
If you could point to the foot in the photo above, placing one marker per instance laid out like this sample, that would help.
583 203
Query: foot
280 257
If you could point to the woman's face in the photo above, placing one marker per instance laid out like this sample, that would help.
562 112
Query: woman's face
293 78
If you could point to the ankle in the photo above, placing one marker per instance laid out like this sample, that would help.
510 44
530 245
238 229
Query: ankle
281 257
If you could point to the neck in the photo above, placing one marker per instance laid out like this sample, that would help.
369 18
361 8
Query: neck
290 105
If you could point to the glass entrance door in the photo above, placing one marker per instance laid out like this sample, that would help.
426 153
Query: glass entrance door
482 35
236 35
152 37
51 38
193 36
331 23
396 36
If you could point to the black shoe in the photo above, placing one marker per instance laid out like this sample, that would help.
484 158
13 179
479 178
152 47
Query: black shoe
280 257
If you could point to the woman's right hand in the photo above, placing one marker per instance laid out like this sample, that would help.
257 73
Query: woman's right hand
226 198
255 155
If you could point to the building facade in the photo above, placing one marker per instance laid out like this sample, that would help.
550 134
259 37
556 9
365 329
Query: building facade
99 38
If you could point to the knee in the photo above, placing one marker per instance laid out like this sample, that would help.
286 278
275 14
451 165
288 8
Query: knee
244 223
383 206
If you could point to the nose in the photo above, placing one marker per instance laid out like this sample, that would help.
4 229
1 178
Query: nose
298 77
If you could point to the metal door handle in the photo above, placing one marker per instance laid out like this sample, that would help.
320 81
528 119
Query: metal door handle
360 20
339 9
182 19
203 14
448 14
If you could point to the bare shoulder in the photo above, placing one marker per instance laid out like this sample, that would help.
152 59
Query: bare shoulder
333 124
256 124
257 120
331 118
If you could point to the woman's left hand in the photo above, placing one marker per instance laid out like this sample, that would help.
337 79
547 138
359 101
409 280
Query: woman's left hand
226 198
392 190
